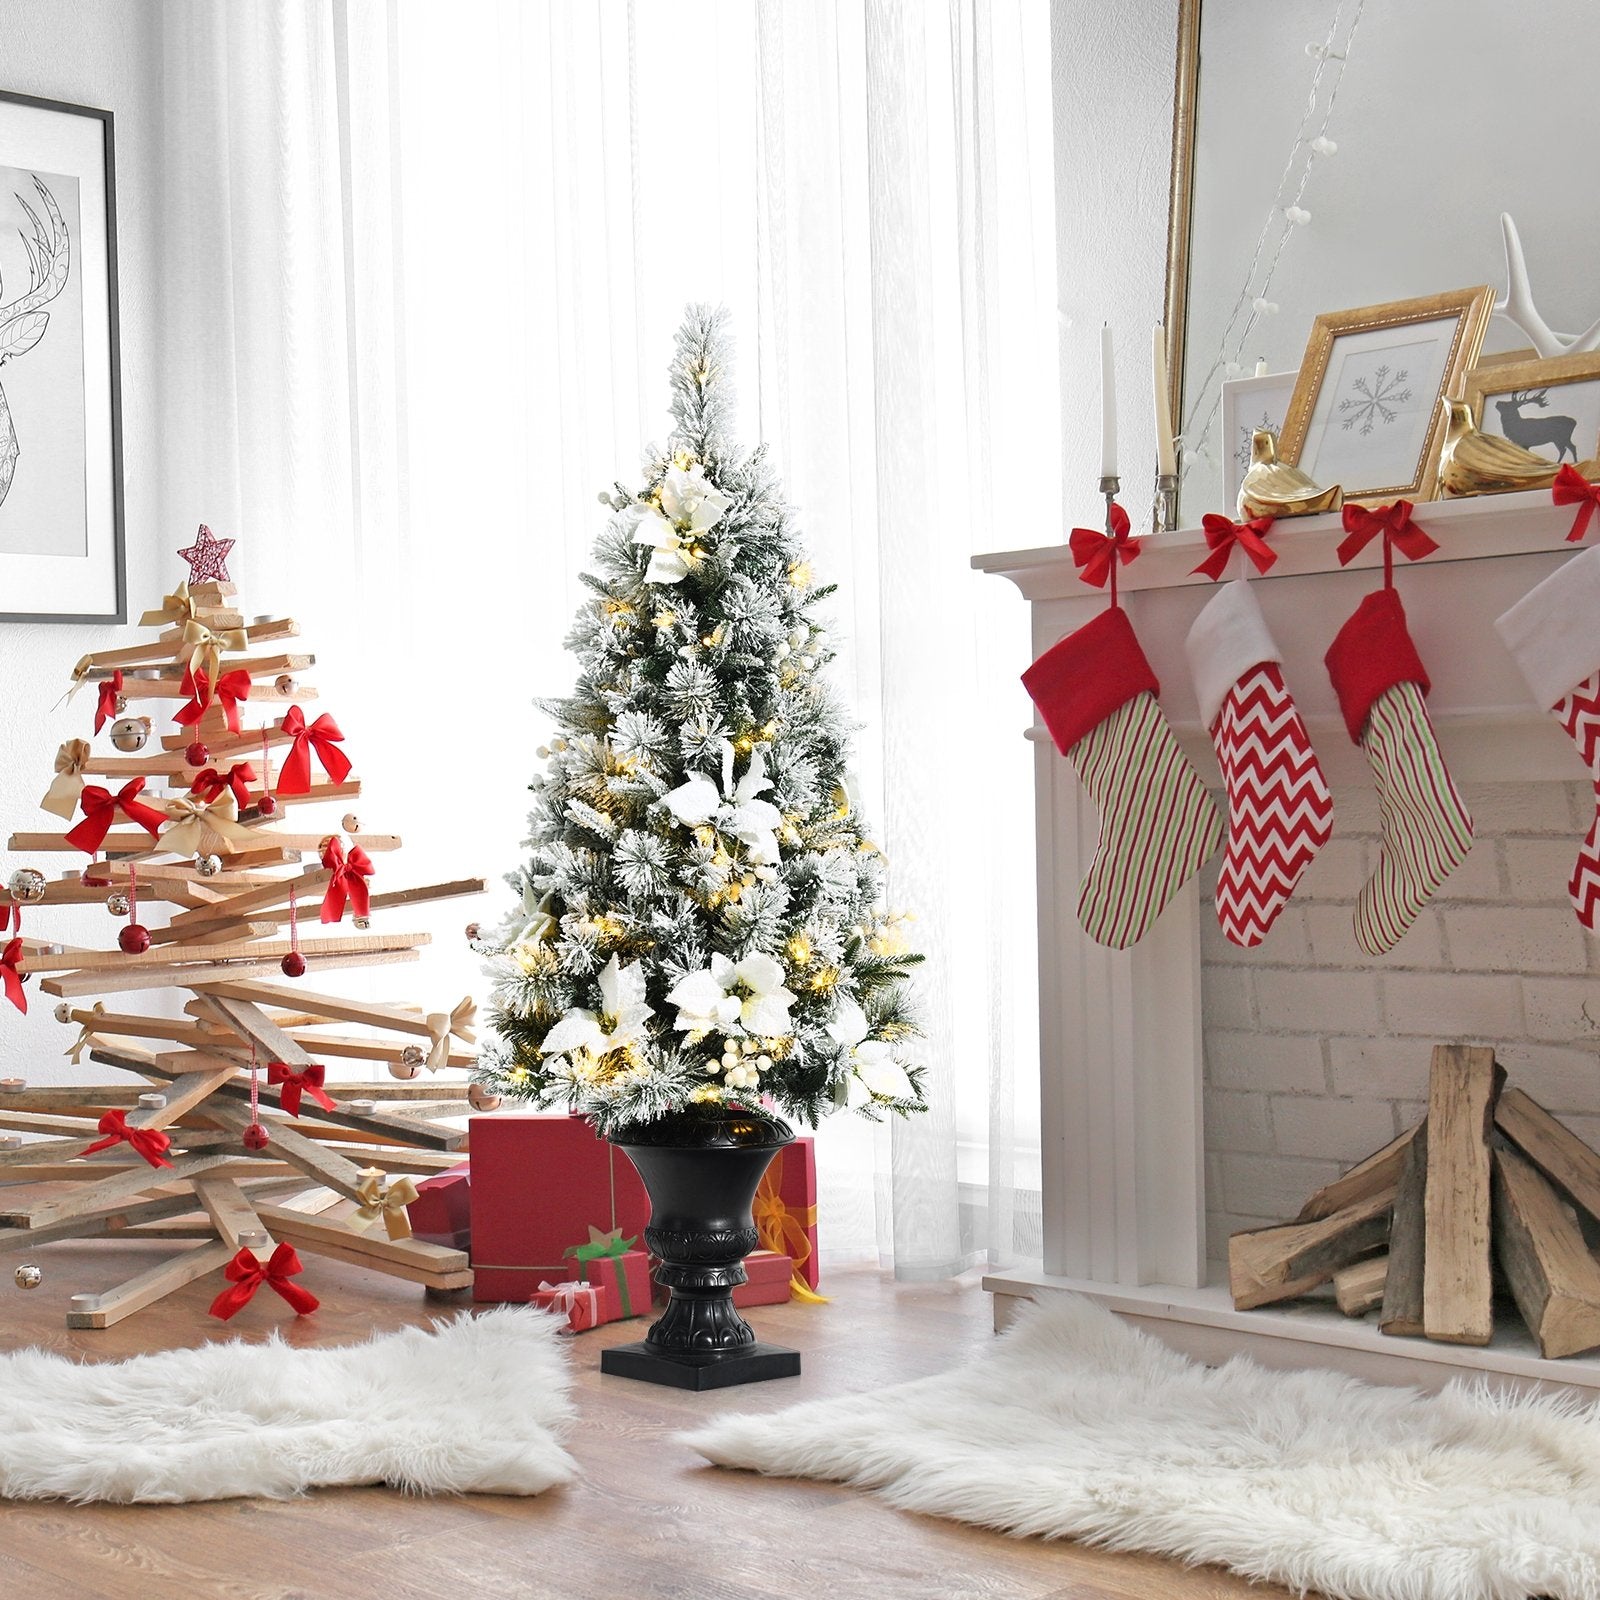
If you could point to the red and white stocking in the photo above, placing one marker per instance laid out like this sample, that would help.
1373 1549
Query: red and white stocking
1280 813
1427 831
1551 634
1097 695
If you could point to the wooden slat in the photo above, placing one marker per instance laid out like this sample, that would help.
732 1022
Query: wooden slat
1379 1173
103 1310
121 1186
136 842
231 1214
1401 1313
1457 1281
437 1266
244 950
1554 1149
311 1158
1554 1278
267 897
1359 1289
196 976
335 1008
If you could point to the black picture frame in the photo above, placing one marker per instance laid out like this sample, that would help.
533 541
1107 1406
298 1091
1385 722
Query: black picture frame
113 540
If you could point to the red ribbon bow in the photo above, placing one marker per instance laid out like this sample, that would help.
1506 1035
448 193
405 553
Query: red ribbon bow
231 688
1398 530
348 883
1097 554
10 976
106 706
100 807
1571 488
308 1080
247 1274
1222 534
151 1143
324 737
211 782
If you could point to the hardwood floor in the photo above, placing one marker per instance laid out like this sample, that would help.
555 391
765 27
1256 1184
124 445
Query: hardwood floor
647 1517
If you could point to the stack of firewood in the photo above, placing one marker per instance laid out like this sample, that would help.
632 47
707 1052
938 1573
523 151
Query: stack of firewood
1487 1179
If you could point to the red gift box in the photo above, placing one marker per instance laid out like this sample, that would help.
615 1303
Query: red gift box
625 1278
442 1211
786 1211
540 1181
769 1275
583 1303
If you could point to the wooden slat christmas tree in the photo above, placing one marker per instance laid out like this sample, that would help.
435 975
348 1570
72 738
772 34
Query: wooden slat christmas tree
234 1115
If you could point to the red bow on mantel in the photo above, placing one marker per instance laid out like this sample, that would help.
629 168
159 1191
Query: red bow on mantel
1097 555
151 1143
1571 488
324 737
106 705
100 807
231 688
348 883
10 976
246 1274
1398 530
1223 535
210 782
307 1080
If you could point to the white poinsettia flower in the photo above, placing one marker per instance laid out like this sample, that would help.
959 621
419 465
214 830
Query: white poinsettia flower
668 564
734 997
619 1022
691 500
875 1070
736 809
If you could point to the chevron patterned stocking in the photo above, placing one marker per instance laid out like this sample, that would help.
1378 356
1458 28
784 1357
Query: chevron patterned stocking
1280 813
1579 714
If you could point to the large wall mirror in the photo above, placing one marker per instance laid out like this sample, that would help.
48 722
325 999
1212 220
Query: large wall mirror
1444 116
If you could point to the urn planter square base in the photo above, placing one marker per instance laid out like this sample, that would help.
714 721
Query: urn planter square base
754 1364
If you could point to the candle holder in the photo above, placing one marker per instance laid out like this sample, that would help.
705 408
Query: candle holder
1110 487
1164 503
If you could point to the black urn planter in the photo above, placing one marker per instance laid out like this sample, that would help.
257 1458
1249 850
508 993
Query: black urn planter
701 1173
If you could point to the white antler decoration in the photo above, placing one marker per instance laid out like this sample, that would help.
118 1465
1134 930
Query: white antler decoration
1516 304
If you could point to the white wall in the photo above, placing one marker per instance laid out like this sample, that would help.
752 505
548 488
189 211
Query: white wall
97 53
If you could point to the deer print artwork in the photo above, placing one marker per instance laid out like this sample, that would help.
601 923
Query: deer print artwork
1535 433
24 321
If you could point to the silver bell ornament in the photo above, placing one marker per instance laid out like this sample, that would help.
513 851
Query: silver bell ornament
481 1098
413 1055
350 822
117 903
28 1276
208 866
284 684
129 734
404 1069
26 886
362 923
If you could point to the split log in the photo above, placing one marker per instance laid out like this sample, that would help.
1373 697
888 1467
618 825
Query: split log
1555 1281
1378 1174
1555 1150
1270 1264
1359 1289
1401 1316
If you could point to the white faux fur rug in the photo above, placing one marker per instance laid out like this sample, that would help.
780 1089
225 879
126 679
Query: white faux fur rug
1074 1425
475 1405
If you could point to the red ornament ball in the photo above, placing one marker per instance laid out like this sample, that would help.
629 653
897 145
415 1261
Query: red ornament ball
294 965
134 939
196 754
267 806
255 1137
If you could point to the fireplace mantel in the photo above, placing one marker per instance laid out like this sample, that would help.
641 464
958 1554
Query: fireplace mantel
1120 1031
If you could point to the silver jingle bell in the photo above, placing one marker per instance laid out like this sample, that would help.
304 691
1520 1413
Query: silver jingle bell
412 1055
117 903
28 1276
350 822
481 1098
208 866
284 684
26 886
130 733
404 1069
362 923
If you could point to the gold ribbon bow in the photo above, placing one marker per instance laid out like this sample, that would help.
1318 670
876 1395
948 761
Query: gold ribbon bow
175 607
85 1035
194 826
62 795
205 647
442 1024
387 1201
782 1229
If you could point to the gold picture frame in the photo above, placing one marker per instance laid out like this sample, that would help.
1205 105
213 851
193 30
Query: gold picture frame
1580 442
1365 412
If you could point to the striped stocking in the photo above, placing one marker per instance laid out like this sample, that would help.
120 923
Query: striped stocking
1551 635
1427 831
1097 695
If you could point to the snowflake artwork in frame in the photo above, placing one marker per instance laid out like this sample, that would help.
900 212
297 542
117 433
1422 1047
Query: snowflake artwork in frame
1249 404
61 513
1365 412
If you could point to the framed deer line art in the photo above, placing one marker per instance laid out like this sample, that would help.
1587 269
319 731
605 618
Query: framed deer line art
1550 406
61 508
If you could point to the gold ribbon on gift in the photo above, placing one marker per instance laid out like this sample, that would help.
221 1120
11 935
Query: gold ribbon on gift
175 607
442 1024
86 1034
195 826
205 647
62 795
384 1201
782 1229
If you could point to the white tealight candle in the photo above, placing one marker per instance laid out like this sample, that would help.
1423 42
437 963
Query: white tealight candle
1166 450
1261 367
1108 405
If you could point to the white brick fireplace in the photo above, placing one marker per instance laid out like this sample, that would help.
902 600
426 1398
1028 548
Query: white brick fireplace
1191 1088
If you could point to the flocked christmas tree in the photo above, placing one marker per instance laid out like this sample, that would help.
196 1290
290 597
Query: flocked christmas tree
702 921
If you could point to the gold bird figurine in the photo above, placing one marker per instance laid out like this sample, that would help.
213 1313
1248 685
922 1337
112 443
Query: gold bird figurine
1474 462
1272 488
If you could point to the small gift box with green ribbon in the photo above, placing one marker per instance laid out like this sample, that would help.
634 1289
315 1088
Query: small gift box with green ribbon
620 1272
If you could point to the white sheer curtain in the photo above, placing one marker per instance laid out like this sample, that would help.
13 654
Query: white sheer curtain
424 266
